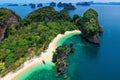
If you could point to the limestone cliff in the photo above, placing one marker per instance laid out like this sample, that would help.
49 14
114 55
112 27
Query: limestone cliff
89 26
7 19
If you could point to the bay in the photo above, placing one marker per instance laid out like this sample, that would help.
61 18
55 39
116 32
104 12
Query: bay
89 62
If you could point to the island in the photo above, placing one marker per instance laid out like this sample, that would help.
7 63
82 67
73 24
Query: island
69 6
60 57
83 4
12 4
53 4
31 36
32 5
39 5
24 5
89 26
60 4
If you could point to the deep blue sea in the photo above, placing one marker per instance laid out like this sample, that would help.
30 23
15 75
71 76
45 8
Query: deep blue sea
89 62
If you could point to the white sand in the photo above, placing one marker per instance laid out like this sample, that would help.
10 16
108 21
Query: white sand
46 56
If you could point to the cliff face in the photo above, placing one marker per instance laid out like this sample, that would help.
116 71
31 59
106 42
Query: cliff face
89 26
69 7
60 57
93 39
7 18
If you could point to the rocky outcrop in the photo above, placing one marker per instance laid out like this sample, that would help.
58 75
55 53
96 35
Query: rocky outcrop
60 57
8 18
71 47
92 39
61 67
89 26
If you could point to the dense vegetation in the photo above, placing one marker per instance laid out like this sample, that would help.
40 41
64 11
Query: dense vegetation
89 25
60 57
25 41
7 19
46 14
5 14
33 34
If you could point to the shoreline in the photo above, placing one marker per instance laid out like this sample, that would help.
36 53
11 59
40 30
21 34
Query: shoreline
46 56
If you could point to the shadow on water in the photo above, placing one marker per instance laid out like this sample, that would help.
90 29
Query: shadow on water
85 53
90 51
82 46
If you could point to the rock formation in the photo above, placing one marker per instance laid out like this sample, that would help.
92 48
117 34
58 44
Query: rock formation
7 19
89 26
60 57
32 5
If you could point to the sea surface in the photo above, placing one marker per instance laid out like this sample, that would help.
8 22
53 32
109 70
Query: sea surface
88 62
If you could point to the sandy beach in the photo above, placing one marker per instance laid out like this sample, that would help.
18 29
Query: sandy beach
46 56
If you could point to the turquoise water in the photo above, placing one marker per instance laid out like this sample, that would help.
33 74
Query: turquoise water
80 62
23 11
42 72
63 39
45 71
89 62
